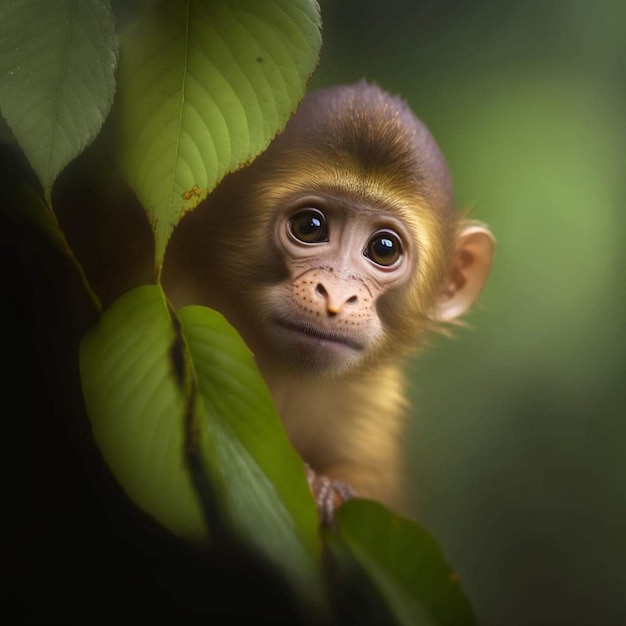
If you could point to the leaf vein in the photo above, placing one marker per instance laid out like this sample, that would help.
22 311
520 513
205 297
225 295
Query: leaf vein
58 99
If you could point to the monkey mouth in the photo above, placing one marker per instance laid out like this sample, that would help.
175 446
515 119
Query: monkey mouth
322 334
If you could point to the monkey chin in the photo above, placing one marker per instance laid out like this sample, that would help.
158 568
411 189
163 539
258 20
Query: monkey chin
310 349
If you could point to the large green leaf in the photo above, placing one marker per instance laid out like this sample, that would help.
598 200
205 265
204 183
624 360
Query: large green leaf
187 425
137 408
204 86
389 570
57 64
262 482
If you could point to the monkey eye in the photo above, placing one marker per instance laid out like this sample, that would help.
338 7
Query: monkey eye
309 226
384 248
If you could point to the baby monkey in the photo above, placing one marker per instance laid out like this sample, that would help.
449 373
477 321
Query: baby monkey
335 254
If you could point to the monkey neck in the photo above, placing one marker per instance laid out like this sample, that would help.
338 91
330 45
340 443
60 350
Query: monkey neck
316 409
348 428
293 386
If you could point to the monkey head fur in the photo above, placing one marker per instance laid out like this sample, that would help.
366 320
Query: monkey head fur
358 156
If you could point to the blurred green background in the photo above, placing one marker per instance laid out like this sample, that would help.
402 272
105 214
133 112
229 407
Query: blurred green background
518 439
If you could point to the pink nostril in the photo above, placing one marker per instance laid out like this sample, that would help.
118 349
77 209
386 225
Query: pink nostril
333 301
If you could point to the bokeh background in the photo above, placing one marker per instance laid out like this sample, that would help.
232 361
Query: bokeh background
518 442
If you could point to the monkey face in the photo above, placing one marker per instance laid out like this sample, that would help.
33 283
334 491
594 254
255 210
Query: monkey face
339 247
340 259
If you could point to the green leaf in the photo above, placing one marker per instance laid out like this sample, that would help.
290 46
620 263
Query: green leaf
262 485
185 422
138 410
204 86
380 557
57 64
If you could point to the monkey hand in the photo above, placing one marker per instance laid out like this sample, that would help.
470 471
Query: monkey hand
329 494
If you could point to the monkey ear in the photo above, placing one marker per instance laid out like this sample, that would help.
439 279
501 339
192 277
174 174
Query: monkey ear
469 271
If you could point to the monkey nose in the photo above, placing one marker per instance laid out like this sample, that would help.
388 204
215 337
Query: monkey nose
334 301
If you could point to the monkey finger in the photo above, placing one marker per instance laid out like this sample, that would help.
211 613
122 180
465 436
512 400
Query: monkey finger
329 494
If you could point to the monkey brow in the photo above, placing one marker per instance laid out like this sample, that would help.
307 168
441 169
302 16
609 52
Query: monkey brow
345 204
